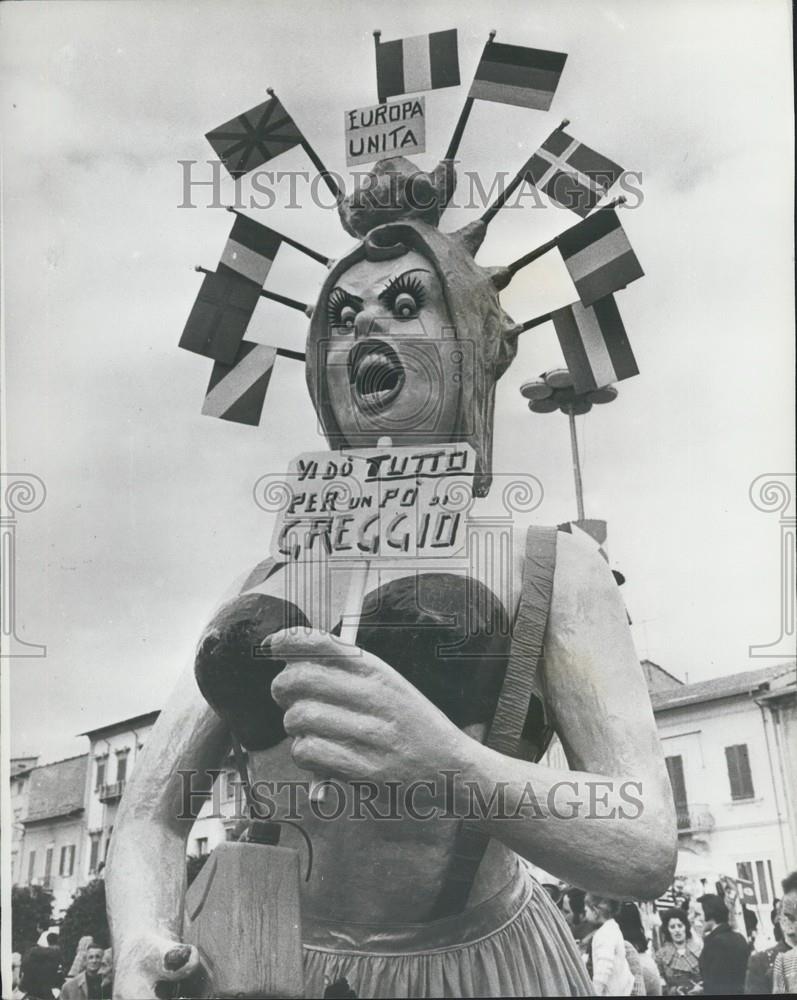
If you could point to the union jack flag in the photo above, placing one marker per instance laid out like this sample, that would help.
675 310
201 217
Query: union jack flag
255 137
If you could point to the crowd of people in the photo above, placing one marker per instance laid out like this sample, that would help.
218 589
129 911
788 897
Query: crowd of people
41 973
682 947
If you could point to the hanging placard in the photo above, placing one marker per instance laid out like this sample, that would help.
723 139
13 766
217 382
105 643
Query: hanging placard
376 503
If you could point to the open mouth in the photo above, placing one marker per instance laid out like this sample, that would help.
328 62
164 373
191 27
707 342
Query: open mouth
376 374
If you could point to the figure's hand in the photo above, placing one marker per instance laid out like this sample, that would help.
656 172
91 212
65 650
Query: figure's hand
352 716
151 959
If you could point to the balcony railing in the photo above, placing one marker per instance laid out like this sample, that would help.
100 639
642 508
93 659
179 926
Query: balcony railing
111 792
694 818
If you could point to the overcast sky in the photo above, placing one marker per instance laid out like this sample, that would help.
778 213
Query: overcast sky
149 513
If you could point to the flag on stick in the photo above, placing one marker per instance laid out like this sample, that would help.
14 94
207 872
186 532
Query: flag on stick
598 256
595 344
571 173
250 250
423 62
513 74
238 391
255 137
218 320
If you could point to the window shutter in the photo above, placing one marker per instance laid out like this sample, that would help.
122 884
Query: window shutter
739 774
675 770
95 853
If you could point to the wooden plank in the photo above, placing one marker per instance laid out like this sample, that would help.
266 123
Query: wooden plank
242 912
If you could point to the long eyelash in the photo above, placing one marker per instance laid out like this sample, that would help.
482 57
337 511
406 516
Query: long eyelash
337 300
403 283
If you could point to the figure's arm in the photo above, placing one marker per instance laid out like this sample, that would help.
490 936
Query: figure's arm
145 877
608 823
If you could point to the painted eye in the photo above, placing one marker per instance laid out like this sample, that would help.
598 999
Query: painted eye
342 310
405 305
404 296
347 316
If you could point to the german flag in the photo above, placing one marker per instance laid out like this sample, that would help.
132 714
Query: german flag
250 250
513 74
598 256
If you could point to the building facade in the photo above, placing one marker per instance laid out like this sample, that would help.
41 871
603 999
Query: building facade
52 845
113 752
730 746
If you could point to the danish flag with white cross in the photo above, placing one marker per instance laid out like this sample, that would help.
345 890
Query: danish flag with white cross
571 173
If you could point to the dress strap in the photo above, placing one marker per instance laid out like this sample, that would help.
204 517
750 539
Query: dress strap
261 573
520 727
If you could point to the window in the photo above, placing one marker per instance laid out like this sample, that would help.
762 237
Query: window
202 846
66 864
121 766
107 843
31 865
48 865
232 781
675 770
739 775
94 853
100 778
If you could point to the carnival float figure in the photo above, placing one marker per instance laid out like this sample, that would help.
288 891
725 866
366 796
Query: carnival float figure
403 907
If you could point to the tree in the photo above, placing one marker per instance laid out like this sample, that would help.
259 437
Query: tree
31 913
86 916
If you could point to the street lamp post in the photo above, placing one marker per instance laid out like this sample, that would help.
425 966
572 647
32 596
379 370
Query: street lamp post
554 391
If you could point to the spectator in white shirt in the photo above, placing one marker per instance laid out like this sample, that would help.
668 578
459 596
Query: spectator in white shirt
611 975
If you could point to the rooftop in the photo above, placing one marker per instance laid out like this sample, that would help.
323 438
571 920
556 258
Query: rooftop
134 722
749 682
20 766
57 789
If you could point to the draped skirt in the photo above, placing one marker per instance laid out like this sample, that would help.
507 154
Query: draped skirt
514 944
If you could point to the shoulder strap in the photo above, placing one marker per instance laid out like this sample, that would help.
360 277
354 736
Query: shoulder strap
519 727
260 573
521 702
